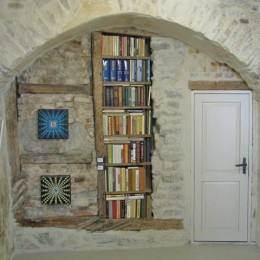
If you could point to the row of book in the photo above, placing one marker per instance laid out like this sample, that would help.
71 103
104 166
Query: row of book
128 151
125 179
126 206
125 95
120 45
123 70
126 122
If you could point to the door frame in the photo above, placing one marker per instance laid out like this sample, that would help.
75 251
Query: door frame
250 165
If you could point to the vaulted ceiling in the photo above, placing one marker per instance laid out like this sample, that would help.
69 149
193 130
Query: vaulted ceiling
228 31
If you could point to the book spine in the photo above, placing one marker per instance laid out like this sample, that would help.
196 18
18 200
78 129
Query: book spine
138 208
143 208
142 179
138 151
116 96
111 96
120 96
142 151
123 181
122 209
126 70
113 72
119 70
106 70
139 70
148 70
128 208
133 70
117 181
137 182
110 179
114 209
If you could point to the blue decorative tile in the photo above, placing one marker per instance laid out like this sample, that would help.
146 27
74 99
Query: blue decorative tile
53 124
56 189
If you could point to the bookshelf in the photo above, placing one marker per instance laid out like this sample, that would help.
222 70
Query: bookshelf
122 106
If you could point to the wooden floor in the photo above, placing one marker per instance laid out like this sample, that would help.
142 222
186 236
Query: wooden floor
195 252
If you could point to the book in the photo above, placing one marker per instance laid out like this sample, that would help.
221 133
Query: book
114 209
133 70
109 210
126 70
139 70
148 70
106 70
142 179
122 209
143 208
119 70
138 208
113 72
110 178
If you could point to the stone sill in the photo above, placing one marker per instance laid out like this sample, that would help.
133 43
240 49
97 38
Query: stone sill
98 224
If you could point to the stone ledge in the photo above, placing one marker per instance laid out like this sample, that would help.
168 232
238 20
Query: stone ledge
98 224
56 159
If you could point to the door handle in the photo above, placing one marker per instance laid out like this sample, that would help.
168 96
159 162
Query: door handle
244 165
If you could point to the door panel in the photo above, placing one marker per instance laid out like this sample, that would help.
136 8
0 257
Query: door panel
221 124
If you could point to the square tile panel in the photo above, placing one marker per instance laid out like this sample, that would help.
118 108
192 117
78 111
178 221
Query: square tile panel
56 189
53 124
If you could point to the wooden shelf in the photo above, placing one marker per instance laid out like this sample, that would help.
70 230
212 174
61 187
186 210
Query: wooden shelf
126 108
128 164
128 83
128 136
127 192
126 57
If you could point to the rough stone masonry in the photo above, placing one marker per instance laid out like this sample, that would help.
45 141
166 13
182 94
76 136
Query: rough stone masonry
174 64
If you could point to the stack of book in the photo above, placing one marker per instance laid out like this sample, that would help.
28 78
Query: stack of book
125 179
122 45
124 122
126 206
125 95
125 152
126 135
126 70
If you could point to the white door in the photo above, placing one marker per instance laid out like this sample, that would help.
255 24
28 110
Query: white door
221 136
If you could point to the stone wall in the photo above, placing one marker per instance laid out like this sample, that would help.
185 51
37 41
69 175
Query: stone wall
4 200
68 64
6 220
174 64
57 239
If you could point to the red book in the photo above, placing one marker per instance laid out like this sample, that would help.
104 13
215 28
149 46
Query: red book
114 209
